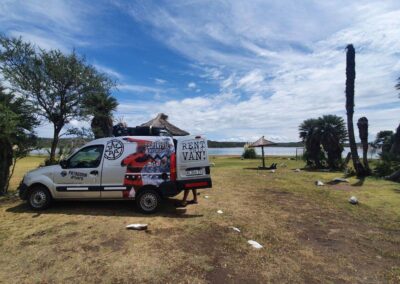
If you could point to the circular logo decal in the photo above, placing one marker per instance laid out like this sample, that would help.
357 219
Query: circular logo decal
114 149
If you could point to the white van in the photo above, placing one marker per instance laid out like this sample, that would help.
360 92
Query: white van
144 168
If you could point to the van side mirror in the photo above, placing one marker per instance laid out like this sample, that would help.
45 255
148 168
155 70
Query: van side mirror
64 164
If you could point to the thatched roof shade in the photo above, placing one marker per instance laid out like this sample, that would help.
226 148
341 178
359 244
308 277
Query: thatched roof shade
262 142
161 120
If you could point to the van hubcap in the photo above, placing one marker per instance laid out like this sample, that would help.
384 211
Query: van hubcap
148 201
38 199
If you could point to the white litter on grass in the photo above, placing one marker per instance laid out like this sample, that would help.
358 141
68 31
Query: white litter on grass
353 200
220 212
319 183
254 244
272 171
235 229
137 227
297 170
283 165
212 164
206 196
340 180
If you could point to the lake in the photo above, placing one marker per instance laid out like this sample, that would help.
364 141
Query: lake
275 151
237 151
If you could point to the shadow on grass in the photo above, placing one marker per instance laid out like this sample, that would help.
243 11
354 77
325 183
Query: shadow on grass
258 169
360 182
105 208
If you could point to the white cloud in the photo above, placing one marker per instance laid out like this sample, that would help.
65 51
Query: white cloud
108 71
159 81
49 24
140 88
280 62
192 85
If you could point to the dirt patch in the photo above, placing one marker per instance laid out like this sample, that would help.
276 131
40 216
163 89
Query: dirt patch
337 237
116 243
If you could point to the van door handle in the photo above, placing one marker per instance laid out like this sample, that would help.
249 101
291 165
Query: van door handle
95 172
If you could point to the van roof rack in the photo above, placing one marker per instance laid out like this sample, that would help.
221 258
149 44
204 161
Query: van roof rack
122 130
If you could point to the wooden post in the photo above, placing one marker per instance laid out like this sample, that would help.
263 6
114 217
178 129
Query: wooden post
262 152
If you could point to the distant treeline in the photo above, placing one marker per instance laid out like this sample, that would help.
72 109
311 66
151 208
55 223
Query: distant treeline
64 142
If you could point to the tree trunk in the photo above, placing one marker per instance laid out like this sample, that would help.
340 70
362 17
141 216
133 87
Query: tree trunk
350 78
363 132
54 144
395 149
6 157
347 160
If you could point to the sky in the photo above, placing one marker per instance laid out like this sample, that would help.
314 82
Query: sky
231 70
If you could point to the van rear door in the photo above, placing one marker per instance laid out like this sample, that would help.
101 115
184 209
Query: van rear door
193 168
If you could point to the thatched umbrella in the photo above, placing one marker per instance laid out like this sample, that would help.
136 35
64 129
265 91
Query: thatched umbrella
262 142
161 121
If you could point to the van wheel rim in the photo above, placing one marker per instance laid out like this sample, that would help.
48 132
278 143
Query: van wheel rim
38 199
148 202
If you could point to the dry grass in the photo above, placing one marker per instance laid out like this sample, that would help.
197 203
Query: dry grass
310 234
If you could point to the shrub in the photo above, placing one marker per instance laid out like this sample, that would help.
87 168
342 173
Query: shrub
249 153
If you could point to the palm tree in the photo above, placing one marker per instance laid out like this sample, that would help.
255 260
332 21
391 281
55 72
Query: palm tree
312 141
332 131
101 107
350 78
395 149
363 131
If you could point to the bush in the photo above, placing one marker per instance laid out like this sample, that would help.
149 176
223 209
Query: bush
386 168
249 153
388 164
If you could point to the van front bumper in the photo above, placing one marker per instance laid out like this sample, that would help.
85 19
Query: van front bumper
23 191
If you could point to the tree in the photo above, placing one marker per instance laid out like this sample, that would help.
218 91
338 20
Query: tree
312 141
384 140
101 106
53 82
328 131
395 149
362 125
350 78
333 134
17 121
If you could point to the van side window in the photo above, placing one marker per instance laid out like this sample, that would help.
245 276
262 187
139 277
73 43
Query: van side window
88 157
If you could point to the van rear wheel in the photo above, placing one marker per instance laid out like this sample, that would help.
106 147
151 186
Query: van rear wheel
39 198
148 201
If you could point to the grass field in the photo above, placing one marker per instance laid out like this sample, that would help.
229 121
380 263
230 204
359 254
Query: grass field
310 234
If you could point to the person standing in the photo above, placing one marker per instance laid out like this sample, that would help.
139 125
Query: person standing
186 195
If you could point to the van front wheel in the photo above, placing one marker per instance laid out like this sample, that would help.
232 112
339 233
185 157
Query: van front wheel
148 201
39 198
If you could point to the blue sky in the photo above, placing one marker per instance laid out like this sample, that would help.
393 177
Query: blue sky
233 70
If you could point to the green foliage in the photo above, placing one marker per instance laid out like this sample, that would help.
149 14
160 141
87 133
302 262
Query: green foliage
100 106
386 168
17 139
323 138
54 82
390 162
384 140
249 153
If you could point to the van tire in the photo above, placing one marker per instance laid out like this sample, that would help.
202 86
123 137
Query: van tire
39 198
148 201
